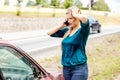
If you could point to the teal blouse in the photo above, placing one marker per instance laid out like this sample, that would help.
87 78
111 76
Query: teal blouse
73 47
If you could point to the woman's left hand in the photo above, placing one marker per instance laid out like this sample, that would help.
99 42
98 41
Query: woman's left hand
76 13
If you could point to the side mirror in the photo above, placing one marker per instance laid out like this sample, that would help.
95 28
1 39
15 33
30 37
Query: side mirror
96 21
60 77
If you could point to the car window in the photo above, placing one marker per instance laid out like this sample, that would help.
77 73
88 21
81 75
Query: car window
14 66
91 19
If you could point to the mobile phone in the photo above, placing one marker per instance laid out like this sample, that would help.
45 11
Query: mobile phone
66 22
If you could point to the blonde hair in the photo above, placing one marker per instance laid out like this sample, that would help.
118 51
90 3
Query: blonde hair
68 32
70 29
75 8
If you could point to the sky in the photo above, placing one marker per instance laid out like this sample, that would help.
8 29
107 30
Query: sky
114 5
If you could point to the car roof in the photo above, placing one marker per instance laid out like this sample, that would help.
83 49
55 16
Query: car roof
90 17
4 41
7 43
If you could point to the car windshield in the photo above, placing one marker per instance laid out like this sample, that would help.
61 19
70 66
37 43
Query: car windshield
91 18
9 56
15 66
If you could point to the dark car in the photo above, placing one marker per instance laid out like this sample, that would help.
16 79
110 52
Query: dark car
15 64
94 24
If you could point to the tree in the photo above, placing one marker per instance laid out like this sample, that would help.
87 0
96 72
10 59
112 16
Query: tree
6 2
38 2
55 3
30 3
92 3
101 5
19 6
44 3
78 3
68 3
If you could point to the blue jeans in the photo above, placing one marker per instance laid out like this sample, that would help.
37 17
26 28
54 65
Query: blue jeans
79 73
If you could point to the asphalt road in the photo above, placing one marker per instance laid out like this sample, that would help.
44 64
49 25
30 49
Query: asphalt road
40 44
40 41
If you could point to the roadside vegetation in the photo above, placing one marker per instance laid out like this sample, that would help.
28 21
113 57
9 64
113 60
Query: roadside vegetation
18 18
44 20
103 58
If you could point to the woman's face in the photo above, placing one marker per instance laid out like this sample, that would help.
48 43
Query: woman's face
73 22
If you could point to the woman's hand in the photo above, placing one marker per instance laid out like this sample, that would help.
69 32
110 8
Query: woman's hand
75 12
66 22
55 29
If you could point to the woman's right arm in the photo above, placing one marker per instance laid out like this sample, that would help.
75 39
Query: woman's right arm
54 30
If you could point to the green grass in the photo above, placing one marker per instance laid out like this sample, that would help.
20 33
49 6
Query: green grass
33 14
105 18
103 66
36 14
110 19
103 58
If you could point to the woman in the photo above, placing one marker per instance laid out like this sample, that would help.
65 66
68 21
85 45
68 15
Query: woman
75 31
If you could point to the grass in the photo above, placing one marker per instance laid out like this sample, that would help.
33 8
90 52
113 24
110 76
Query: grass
32 22
32 14
109 20
27 20
105 18
103 58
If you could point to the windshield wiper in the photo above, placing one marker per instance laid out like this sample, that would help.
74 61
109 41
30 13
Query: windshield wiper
37 73
1 75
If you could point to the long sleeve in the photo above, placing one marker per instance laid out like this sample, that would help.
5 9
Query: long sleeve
60 33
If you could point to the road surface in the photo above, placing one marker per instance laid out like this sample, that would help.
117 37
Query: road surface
37 43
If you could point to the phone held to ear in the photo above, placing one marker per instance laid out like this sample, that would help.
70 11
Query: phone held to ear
66 23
